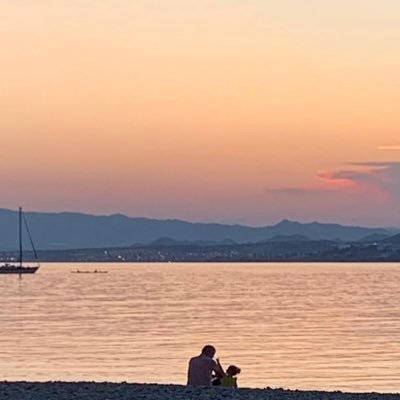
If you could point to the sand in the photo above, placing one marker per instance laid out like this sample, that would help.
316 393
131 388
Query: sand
131 391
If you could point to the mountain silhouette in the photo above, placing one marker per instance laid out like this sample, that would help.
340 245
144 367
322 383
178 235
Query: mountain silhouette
69 230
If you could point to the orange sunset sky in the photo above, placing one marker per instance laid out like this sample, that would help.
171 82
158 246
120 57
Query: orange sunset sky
230 111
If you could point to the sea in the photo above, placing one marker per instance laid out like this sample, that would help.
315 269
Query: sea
297 326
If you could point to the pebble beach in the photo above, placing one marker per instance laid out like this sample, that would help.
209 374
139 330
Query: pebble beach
132 391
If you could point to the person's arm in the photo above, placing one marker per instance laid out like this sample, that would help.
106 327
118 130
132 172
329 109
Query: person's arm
218 369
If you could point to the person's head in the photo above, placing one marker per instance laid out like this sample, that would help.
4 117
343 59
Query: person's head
233 370
208 351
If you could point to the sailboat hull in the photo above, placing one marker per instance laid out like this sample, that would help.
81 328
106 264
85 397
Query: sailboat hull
16 269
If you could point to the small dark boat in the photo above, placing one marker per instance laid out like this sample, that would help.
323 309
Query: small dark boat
19 268
89 272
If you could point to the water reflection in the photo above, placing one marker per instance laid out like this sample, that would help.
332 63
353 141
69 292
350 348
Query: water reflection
299 326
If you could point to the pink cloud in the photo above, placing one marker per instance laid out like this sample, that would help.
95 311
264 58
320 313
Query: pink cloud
378 180
365 193
389 147
341 179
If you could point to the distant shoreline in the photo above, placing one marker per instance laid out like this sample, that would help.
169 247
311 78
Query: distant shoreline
214 262
286 251
121 391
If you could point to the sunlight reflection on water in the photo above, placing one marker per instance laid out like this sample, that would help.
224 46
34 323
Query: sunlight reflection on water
309 326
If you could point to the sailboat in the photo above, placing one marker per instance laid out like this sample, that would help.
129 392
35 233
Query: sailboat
19 268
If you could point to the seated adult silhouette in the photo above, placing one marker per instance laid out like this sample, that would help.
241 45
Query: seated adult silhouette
203 368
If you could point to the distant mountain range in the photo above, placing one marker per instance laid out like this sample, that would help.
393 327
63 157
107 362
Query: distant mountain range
393 240
52 231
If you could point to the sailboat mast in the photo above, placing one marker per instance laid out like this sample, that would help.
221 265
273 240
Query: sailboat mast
20 236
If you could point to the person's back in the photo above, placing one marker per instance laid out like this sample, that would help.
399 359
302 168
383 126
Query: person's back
201 368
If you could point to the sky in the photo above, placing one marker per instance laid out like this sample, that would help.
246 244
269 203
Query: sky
227 111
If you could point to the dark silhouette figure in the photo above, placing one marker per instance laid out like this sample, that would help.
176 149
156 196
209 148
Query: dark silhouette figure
203 368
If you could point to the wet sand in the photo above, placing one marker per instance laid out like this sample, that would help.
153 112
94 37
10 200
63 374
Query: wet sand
131 391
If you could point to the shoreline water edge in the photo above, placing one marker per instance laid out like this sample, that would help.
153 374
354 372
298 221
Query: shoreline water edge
120 391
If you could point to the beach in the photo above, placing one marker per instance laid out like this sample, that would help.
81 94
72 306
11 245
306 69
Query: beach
133 391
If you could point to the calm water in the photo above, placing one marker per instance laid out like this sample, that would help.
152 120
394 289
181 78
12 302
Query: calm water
332 326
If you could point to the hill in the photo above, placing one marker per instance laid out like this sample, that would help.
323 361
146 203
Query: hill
392 240
68 230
